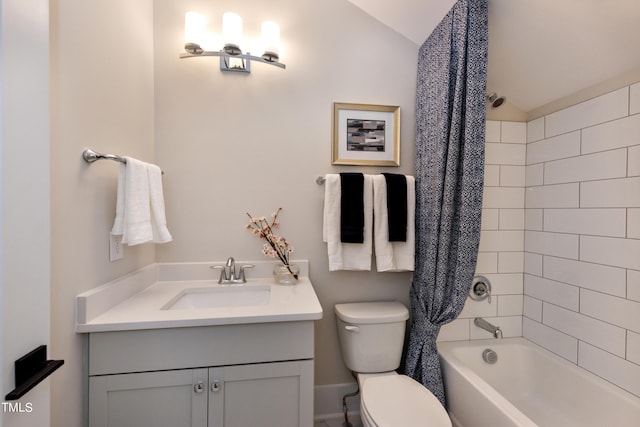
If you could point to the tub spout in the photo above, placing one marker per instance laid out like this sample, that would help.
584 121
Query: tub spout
483 324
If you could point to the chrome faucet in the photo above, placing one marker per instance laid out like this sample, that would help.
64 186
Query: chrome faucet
229 270
483 324
229 274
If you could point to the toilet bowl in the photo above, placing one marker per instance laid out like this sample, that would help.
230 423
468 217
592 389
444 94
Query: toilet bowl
371 337
390 400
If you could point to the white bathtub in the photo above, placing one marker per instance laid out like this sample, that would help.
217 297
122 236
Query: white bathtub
528 386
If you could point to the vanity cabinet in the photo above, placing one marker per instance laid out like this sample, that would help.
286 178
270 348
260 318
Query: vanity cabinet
148 399
215 376
264 394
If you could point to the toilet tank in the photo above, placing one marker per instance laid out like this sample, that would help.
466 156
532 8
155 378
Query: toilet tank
371 335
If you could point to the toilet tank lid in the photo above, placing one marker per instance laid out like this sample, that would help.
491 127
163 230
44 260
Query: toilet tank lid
372 312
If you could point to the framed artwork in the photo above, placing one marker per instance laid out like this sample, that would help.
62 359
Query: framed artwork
366 135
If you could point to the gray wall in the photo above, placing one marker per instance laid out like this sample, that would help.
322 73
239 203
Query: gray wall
101 98
232 144
228 144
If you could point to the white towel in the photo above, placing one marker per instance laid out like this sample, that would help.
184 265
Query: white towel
393 256
156 195
118 222
140 216
346 256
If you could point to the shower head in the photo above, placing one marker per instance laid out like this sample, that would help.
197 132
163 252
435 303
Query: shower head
495 100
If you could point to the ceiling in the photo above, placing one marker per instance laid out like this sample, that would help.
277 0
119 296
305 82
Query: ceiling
539 50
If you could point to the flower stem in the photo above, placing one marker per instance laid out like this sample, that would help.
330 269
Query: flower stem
295 276
265 231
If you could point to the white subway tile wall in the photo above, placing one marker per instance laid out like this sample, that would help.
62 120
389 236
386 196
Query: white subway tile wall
633 285
556 244
634 102
535 130
582 235
505 154
610 135
611 106
533 219
560 238
633 165
615 369
532 308
533 263
501 257
558 342
589 167
552 291
534 174
513 132
633 347
559 147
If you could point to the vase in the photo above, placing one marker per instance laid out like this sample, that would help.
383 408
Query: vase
284 275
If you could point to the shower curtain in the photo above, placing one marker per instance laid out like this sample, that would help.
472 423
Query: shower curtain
450 115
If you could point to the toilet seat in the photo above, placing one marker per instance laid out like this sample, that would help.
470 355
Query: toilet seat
399 401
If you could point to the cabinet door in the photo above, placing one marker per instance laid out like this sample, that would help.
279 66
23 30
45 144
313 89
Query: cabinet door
150 399
262 395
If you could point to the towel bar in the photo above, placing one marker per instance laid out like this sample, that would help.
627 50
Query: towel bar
91 156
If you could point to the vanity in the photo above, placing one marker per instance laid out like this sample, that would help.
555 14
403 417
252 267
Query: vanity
169 346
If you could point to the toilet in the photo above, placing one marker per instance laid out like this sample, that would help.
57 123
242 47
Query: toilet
371 337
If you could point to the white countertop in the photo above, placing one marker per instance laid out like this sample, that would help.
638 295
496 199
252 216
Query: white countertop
137 301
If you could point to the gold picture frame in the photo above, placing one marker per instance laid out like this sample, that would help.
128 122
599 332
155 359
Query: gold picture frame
366 135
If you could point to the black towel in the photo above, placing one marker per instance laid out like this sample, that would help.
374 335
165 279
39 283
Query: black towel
352 208
397 206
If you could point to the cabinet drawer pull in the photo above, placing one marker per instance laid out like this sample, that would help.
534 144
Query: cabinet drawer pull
215 385
198 387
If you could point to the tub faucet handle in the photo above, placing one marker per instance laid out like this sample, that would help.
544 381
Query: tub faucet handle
480 289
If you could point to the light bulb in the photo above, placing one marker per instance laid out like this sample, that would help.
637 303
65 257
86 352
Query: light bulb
232 32
194 31
271 41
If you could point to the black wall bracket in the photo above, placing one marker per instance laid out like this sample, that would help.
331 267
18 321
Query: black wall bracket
31 369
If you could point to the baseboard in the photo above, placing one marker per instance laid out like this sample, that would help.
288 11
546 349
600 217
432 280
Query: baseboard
328 401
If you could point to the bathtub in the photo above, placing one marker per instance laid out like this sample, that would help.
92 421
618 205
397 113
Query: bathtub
528 386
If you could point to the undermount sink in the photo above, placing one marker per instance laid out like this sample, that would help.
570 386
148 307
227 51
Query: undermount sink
220 296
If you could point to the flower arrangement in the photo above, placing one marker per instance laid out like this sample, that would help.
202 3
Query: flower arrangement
275 246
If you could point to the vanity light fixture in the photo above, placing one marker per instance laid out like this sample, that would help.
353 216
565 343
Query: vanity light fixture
197 39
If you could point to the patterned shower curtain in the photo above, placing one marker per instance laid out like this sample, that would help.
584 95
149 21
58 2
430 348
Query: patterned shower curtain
450 115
